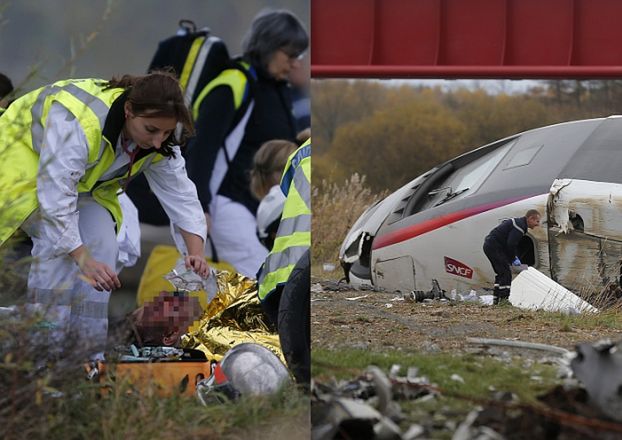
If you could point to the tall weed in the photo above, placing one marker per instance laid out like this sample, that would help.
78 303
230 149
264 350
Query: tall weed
335 209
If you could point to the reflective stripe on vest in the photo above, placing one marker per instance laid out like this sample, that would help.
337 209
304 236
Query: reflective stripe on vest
194 66
517 227
193 53
293 237
21 136
237 81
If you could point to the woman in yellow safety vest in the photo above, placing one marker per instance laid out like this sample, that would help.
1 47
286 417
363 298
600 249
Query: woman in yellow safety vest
67 150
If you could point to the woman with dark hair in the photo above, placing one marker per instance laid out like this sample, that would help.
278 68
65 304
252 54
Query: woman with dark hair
245 106
67 150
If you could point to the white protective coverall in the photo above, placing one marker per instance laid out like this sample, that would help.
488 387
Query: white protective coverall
66 220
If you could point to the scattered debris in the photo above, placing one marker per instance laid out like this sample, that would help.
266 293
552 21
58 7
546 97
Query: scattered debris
599 367
457 378
466 430
518 344
367 408
316 288
533 290
562 414
8 311
356 298
435 293
328 267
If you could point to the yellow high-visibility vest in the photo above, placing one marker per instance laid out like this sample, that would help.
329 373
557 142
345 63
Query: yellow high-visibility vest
232 78
21 139
293 237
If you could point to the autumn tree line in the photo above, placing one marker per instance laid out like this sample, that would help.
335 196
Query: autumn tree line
392 133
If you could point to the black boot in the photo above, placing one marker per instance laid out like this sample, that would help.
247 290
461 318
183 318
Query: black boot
495 295
503 296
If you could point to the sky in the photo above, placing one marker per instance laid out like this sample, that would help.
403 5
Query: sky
492 86
39 39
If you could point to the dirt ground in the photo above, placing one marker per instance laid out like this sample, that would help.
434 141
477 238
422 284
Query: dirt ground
381 322
342 317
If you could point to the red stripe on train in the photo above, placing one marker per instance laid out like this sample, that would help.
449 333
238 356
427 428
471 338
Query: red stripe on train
426 226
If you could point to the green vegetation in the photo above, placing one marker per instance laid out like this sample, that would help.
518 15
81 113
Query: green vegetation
479 373
606 319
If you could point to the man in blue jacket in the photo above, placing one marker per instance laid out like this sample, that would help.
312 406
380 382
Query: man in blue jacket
500 248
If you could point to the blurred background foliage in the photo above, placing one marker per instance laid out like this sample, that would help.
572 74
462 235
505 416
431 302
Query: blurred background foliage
43 41
392 131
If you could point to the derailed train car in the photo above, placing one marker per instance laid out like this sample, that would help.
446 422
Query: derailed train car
433 228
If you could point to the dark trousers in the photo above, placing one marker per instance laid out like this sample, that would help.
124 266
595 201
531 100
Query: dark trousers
289 310
503 275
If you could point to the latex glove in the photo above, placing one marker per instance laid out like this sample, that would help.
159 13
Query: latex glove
198 264
516 262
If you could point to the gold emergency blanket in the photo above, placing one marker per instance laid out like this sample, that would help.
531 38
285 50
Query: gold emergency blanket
234 316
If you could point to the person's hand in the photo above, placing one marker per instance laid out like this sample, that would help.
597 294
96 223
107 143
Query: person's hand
516 262
198 264
99 275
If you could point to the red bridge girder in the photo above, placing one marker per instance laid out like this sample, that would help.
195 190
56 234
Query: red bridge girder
466 38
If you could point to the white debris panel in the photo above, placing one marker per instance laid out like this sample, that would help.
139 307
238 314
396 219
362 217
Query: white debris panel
533 290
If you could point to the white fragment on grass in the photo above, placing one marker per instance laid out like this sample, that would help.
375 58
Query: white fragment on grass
412 373
317 287
388 306
356 298
394 371
457 378
533 290
486 300
414 432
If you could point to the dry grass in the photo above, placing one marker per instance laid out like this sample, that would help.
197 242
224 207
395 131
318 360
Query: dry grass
45 394
335 209
53 400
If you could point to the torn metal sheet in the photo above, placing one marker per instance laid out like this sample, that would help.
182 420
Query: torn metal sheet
585 233
535 291
366 408
599 367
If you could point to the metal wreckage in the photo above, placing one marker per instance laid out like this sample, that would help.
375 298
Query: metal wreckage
230 351
369 407
432 229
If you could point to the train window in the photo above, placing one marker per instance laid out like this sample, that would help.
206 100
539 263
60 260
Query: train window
467 179
523 157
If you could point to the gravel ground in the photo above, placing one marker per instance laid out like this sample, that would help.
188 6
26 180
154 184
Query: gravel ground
342 317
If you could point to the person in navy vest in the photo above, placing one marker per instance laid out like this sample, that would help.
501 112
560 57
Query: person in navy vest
500 248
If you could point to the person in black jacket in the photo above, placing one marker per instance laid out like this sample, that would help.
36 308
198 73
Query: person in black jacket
500 248
273 47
